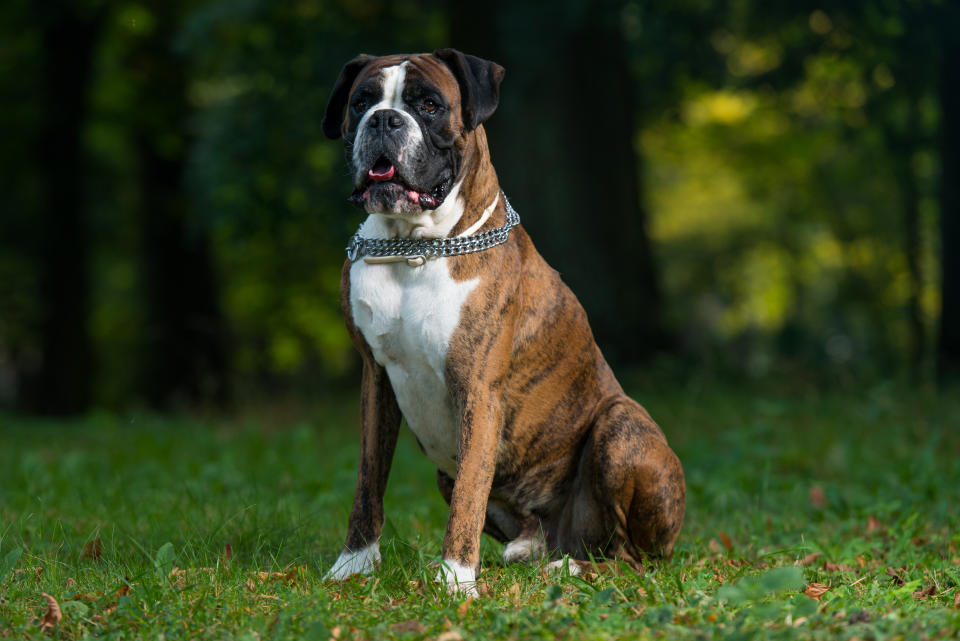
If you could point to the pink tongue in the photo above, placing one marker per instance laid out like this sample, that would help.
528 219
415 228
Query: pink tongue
414 196
380 175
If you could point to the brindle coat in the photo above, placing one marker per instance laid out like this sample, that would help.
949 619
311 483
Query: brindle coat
548 441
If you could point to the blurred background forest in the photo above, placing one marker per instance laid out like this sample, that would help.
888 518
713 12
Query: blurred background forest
736 188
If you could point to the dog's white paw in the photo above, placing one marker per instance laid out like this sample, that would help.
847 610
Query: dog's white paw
523 550
458 578
363 561
574 566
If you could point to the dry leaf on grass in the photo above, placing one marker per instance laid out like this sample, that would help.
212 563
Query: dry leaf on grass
956 600
179 576
450 635
837 567
817 498
930 590
810 558
52 616
727 543
291 575
896 576
93 550
816 590
464 607
70 583
873 524
226 556
714 546
408 626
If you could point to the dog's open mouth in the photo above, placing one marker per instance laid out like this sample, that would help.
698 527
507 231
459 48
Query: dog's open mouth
384 188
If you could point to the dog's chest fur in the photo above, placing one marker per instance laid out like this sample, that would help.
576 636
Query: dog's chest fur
407 315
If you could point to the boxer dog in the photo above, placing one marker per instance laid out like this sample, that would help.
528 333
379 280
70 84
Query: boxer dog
469 335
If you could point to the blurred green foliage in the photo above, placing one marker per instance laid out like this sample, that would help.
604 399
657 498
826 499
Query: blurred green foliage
783 154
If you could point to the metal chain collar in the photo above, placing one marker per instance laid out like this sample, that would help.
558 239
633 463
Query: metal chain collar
417 250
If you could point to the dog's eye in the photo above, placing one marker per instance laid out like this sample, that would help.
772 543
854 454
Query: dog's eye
429 106
360 106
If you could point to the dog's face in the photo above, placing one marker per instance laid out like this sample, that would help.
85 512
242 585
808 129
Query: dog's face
404 119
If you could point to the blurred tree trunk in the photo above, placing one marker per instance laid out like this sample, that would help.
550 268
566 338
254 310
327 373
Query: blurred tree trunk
563 145
185 358
903 145
63 384
948 349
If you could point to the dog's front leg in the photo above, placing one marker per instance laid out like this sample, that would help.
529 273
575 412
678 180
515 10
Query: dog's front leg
480 429
380 423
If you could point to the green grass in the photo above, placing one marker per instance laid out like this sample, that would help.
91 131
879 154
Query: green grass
772 480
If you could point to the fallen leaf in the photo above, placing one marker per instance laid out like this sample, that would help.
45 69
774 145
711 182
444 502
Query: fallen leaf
92 550
464 607
335 632
837 567
897 578
515 593
714 546
450 635
727 543
810 558
872 524
930 590
862 562
816 590
408 626
956 600
225 557
123 590
52 616
817 498
70 583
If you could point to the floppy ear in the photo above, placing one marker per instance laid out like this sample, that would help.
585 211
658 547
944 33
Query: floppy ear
479 82
333 117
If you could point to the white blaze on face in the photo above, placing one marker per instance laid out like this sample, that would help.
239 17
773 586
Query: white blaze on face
393 79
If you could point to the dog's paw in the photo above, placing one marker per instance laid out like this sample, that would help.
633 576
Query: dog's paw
458 578
363 561
574 567
524 550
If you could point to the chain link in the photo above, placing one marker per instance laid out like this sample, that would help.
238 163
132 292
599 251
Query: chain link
432 247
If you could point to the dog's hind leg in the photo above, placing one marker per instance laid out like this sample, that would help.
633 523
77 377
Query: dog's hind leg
630 497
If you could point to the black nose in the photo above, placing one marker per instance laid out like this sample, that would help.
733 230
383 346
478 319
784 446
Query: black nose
387 120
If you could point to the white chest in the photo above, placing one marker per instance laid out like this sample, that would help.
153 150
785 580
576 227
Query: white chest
407 315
